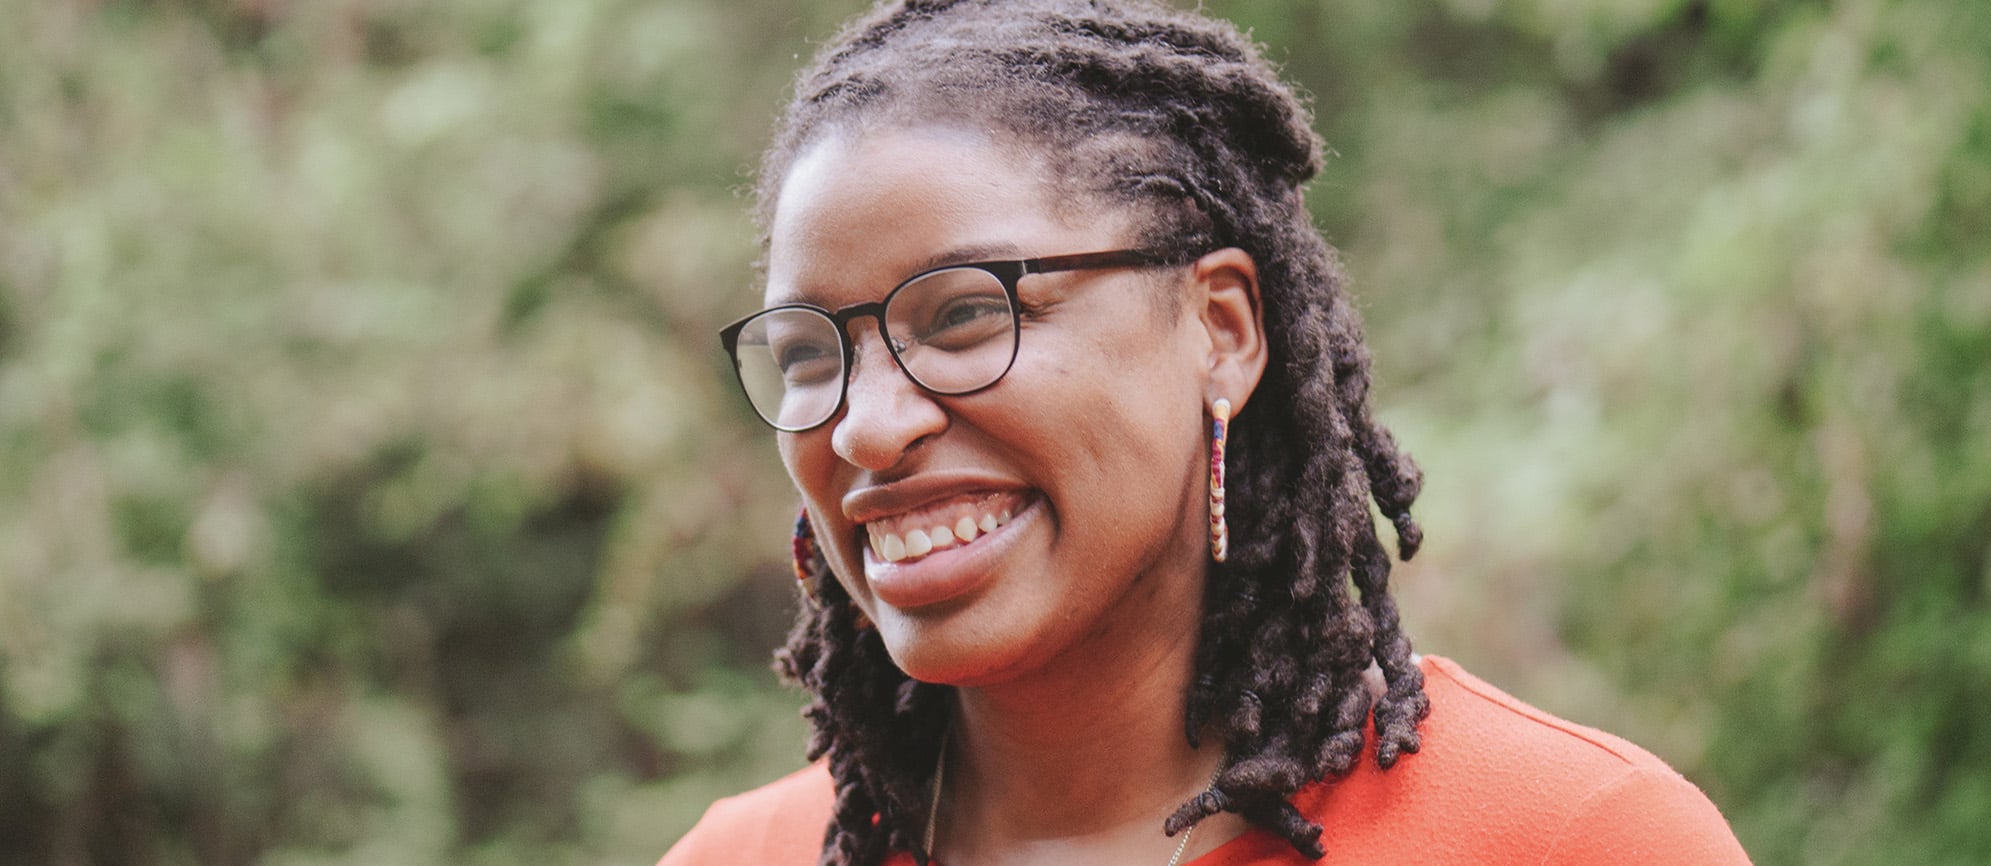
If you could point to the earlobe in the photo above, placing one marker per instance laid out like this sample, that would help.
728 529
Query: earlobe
1232 316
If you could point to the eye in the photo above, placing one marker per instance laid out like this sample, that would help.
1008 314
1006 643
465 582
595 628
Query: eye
962 312
965 322
806 361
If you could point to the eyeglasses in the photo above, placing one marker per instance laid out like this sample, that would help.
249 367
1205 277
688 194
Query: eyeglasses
951 329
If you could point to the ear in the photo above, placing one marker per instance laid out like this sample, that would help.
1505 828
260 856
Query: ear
1225 297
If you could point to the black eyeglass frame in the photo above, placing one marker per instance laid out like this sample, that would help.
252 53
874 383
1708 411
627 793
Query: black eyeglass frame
1008 272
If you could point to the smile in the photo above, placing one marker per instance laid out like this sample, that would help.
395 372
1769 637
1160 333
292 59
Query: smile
957 522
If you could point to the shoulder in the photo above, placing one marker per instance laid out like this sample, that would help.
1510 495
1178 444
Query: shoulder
1602 798
1479 722
781 822
1500 781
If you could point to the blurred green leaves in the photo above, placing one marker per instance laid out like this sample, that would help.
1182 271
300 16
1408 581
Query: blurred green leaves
362 456
371 490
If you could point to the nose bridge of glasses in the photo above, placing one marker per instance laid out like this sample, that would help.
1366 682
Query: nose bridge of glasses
846 322
852 333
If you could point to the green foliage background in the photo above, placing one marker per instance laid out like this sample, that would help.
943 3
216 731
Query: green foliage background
372 490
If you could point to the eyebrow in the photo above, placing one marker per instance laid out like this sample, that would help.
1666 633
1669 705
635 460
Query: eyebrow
963 255
952 256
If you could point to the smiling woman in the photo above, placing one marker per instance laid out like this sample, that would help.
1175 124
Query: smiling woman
1084 457
1023 261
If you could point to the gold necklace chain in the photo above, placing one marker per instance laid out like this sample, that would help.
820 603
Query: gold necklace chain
933 808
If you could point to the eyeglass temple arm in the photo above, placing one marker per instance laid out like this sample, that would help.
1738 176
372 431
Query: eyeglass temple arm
1087 261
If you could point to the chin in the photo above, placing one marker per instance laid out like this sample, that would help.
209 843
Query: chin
957 653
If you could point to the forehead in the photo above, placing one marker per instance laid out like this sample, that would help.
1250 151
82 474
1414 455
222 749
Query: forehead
857 213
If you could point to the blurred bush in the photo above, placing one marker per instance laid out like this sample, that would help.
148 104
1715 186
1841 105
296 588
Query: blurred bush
372 490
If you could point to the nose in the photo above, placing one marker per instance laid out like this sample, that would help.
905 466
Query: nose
884 413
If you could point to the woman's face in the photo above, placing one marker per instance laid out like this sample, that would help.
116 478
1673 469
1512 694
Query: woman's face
1087 459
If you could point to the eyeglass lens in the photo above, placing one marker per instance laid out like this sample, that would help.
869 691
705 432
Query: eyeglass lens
952 331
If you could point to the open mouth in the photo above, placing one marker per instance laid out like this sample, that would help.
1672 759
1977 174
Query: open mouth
944 525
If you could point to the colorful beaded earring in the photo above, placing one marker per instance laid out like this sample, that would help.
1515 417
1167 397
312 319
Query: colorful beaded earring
803 548
1220 532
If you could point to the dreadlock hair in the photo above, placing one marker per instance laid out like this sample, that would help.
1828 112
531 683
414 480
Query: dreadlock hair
1177 118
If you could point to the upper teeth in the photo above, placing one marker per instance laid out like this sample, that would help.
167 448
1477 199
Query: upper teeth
916 543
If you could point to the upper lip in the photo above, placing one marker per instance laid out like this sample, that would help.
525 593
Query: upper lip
866 504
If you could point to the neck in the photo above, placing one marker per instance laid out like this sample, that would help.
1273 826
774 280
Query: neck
1088 754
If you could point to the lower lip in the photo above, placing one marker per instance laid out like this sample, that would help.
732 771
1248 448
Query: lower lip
943 575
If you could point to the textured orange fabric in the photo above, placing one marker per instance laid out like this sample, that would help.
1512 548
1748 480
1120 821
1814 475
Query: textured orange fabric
1497 781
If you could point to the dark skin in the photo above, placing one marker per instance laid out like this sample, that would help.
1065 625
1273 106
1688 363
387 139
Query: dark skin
1073 642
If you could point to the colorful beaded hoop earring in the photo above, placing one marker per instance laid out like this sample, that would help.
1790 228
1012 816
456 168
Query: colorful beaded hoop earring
803 548
1220 533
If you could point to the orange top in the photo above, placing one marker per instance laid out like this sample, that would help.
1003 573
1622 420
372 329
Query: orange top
1497 781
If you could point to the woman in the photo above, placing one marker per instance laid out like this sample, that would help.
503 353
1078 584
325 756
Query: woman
1025 262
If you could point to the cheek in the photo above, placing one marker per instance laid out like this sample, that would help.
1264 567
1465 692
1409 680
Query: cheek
796 459
1118 432
816 471
1122 392
812 467
810 457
